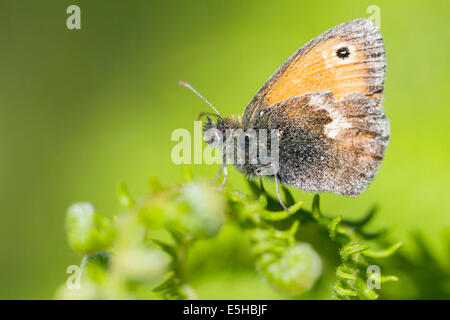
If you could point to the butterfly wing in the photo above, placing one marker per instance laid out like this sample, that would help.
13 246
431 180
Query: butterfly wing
326 102
328 145
345 59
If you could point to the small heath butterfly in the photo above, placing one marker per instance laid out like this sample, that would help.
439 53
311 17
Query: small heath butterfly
325 102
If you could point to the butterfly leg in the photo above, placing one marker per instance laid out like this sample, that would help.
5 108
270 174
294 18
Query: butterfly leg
225 174
224 169
271 170
219 173
277 188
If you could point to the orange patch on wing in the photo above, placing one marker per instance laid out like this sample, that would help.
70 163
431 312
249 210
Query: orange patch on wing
366 135
320 69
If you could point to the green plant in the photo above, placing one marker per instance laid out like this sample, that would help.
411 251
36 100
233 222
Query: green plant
142 253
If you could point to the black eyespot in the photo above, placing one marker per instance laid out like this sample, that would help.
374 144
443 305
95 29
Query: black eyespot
342 52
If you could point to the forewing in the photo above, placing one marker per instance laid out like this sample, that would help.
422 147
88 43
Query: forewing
318 66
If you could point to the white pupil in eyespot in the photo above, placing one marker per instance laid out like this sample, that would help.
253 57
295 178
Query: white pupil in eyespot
342 52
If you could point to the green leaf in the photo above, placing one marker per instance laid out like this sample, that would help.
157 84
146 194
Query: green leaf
383 253
272 203
170 283
293 229
385 279
332 227
352 248
344 273
281 215
343 291
196 210
365 220
254 188
316 207
373 235
168 248
288 198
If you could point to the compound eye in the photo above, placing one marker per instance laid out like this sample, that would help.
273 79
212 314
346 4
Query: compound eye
223 128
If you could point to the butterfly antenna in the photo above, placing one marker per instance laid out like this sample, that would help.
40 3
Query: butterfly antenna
187 85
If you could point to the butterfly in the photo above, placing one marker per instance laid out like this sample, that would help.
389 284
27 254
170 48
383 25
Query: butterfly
325 102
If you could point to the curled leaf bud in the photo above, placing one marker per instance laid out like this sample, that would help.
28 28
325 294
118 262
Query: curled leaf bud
199 212
141 264
296 271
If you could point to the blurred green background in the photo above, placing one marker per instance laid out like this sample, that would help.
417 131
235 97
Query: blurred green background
81 110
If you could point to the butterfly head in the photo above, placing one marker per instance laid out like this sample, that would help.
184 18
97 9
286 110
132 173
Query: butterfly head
214 132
